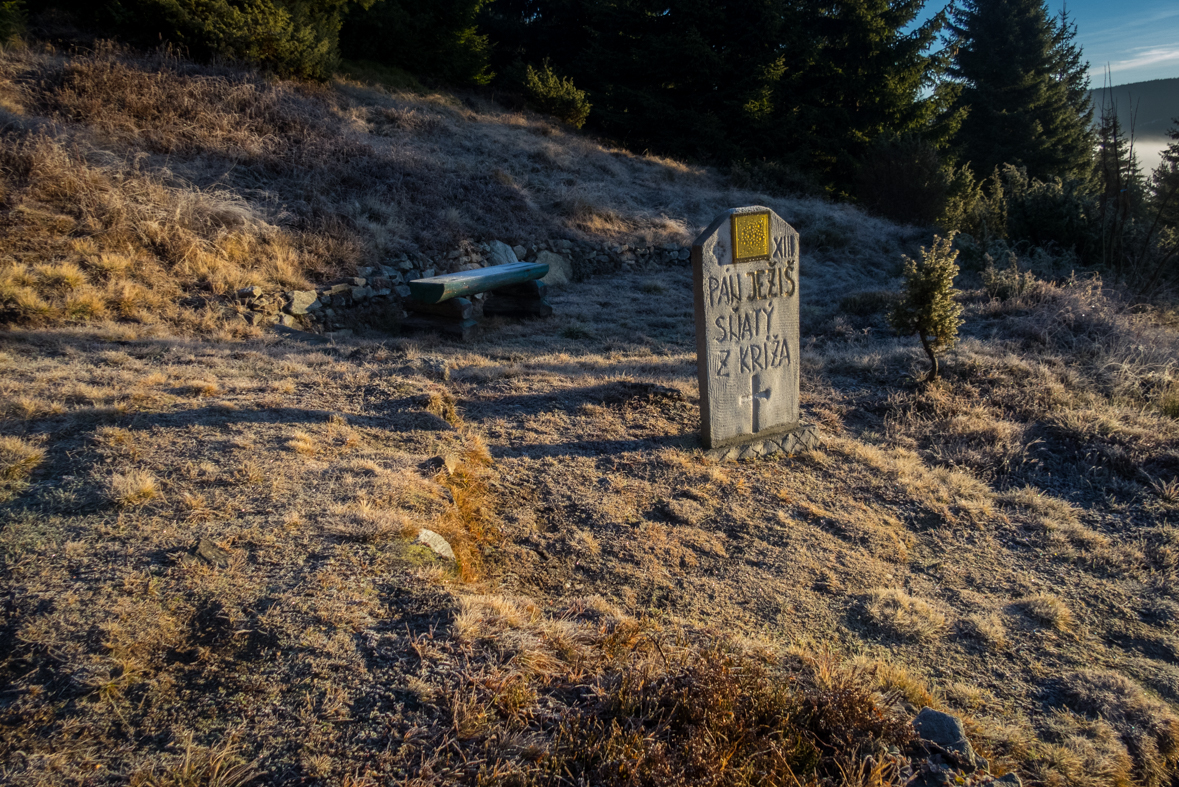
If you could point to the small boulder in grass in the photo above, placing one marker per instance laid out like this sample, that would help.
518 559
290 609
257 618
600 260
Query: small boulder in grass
436 542
435 367
501 253
212 554
249 292
302 301
560 271
947 733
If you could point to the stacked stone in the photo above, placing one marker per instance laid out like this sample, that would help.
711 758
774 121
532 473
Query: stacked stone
590 259
258 307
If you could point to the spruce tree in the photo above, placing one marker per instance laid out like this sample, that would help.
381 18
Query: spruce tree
1122 189
1165 183
1163 233
297 38
1025 88
808 84
437 39
928 307
856 75
1071 72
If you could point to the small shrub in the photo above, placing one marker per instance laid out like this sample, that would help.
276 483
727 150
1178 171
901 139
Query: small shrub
556 95
1012 206
288 37
12 20
928 308
1168 403
1010 282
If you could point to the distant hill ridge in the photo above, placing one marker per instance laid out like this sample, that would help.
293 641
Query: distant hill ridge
1153 106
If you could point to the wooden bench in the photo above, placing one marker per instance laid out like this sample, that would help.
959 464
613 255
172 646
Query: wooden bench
438 304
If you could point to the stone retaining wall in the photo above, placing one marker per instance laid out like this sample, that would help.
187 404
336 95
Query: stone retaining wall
372 298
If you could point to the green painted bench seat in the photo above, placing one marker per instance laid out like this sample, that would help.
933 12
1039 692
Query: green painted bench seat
437 289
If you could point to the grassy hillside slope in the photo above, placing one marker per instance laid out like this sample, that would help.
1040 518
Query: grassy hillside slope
134 185
208 536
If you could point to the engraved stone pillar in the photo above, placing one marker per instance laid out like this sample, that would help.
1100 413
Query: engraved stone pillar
745 275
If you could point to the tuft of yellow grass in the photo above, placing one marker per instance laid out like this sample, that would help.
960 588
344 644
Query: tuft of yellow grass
60 276
903 616
133 488
203 389
303 444
18 458
365 523
987 628
1048 610
221 765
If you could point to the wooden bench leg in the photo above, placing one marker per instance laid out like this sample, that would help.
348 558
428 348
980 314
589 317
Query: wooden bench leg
455 317
518 300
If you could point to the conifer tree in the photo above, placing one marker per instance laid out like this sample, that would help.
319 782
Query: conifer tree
854 75
928 308
805 83
298 38
12 20
1165 183
433 38
1164 199
1071 72
1121 185
1025 87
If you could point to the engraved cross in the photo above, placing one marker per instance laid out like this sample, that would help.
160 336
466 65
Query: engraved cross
755 398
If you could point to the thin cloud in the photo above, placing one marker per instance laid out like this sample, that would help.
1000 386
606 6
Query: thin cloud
1147 56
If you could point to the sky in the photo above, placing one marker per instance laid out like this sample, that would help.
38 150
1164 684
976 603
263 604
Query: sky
1136 39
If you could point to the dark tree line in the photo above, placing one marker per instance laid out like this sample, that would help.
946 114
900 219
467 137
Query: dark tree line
805 86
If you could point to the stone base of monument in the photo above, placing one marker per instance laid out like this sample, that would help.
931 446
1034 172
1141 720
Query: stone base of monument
801 438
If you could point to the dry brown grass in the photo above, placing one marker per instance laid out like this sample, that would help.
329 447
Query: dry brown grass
608 572
1048 610
218 766
594 550
144 188
303 444
18 458
1149 728
987 628
902 616
133 488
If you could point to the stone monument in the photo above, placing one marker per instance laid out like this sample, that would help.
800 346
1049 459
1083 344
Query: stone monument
745 275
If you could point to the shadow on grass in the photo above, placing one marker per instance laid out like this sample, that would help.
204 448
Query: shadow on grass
591 448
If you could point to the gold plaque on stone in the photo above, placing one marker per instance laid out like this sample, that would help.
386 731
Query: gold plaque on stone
751 237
